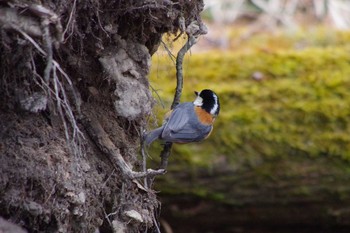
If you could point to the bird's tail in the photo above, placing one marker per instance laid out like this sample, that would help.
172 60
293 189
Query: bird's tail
152 136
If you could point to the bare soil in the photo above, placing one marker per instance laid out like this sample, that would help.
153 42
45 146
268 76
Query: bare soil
64 64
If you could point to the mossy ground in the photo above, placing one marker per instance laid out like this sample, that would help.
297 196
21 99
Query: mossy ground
284 100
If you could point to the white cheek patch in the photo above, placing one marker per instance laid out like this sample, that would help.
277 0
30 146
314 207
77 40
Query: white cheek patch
198 101
216 105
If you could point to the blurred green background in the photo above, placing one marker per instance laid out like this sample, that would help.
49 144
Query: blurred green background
280 149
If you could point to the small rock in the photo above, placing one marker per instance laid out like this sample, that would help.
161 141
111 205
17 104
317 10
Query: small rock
77 212
8 227
76 199
134 215
34 208
81 198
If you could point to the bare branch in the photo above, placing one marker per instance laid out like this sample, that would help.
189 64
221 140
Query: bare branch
179 74
179 85
104 143
144 160
168 51
164 155
193 30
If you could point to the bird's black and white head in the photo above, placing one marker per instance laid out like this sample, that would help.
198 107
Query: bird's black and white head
209 101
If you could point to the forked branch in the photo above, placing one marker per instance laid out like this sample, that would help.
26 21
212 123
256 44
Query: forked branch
193 31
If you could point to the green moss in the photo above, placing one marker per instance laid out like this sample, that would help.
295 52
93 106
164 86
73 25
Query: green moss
299 109
301 104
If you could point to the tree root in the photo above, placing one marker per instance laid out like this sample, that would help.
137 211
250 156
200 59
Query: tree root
104 143
42 28
11 18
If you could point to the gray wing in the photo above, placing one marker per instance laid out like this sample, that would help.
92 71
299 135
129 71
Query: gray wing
175 123
183 126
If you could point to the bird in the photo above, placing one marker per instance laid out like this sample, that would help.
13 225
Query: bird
188 122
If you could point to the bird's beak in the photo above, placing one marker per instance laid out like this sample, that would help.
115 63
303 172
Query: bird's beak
196 93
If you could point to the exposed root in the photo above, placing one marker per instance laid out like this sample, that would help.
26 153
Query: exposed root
69 27
50 83
104 143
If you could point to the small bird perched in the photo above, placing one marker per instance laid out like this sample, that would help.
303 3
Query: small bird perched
190 121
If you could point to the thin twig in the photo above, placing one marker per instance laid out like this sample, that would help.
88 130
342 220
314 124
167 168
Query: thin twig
164 155
58 91
107 216
30 39
52 67
48 45
156 92
51 193
179 74
37 46
69 22
178 36
144 160
171 55
156 225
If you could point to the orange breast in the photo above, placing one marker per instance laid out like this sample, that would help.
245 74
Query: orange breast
203 116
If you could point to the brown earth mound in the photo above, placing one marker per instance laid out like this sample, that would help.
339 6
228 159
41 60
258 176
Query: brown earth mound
68 68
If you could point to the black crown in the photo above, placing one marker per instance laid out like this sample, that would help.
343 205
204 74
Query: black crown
210 100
